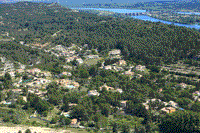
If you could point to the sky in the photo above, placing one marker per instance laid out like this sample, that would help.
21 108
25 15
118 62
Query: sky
85 1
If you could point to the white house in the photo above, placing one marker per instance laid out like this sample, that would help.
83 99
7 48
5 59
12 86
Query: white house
119 90
93 56
182 85
108 67
93 93
114 52
140 68
79 60
123 104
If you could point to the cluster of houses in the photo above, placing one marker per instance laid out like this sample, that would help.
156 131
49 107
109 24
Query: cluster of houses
36 81
169 107
66 83
108 88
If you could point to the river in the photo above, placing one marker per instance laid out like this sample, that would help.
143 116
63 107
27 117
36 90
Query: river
143 17
148 18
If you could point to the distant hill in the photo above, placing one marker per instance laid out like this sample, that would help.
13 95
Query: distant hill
151 6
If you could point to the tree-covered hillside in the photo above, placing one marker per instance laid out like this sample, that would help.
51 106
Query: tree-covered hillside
148 42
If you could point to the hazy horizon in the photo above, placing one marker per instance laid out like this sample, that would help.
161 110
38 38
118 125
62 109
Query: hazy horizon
74 2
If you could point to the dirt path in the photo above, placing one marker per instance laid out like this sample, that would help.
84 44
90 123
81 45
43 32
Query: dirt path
4 129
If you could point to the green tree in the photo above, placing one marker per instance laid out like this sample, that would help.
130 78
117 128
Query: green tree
20 101
37 103
64 120
79 112
183 102
2 96
114 127
28 131
44 113
94 52
105 109
19 131
54 120
25 91
54 93
83 73
196 107
137 109
180 121
7 83
125 128
7 76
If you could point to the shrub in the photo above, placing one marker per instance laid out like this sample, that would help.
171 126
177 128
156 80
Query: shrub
28 131
82 123
54 120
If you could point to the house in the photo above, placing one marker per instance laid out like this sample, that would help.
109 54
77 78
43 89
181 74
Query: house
68 59
85 45
93 93
73 121
168 109
47 74
3 59
21 42
24 98
182 85
119 90
146 106
79 60
65 74
6 103
92 56
107 87
173 104
118 68
129 73
138 76
19 91
67 67
197 93
76 84
109 67
72 105
114 52
19 70
12 74
121 62
36 70
123 104
22 66
160 90
165 103
140 68
154 99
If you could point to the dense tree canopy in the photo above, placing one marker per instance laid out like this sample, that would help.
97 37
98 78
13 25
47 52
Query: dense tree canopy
180 121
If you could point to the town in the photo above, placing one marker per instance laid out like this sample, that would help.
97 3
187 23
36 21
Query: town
20 82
